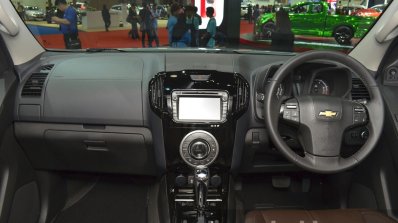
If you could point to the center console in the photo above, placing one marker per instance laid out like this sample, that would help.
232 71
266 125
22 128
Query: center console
199 110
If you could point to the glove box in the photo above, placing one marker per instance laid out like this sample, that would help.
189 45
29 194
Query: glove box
107 149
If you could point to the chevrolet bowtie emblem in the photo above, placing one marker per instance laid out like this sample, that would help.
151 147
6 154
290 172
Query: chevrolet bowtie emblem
328 114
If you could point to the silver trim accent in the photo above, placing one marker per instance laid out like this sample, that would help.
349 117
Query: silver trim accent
291 106
192 200
183 200
215 200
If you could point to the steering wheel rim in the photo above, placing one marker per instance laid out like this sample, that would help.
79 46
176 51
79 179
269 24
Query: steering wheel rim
324 163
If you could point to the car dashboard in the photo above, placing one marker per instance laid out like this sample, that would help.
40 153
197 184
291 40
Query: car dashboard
167 113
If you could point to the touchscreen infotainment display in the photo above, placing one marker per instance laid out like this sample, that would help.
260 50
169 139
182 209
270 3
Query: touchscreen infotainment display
199 109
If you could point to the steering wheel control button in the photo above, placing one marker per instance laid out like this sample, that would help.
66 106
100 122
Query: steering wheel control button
291 112
199 148
359 110
360 115
287 115
359 119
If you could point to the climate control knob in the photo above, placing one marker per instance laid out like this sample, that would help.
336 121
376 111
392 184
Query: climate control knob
199 149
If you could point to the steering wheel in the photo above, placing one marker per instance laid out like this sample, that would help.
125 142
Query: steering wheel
322 120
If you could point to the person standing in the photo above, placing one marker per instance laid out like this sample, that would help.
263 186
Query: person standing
155 14
146 24
176 27
256 14
68 24
133 19
197 21
211 28
190 22
106 17
250 13
171 22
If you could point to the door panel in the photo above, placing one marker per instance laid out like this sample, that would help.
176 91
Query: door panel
19 195
379 172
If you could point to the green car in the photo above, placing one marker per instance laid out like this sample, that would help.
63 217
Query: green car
315 19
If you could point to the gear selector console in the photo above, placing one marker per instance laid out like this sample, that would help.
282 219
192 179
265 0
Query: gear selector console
199 110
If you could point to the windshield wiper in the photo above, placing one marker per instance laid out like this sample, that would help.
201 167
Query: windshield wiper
96 50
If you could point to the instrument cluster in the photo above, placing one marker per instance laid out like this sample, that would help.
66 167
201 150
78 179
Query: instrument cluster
320 87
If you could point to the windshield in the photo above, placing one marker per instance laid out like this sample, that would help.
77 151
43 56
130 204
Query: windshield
290 26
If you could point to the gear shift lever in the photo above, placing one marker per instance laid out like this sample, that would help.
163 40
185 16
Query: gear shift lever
201 181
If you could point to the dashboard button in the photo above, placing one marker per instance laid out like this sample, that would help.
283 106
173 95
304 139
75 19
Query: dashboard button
287 115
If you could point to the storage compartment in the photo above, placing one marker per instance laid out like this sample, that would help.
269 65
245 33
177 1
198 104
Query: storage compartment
93 148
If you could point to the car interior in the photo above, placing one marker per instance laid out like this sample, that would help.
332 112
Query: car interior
198 135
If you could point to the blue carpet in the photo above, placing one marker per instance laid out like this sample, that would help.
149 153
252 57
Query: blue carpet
42 30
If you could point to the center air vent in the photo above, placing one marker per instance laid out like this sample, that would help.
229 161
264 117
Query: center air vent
359 91
47 67
242 94
34 85
156 92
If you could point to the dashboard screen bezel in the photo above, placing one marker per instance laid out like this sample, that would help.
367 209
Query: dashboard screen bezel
222 95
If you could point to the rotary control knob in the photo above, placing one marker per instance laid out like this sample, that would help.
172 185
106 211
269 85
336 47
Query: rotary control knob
199 149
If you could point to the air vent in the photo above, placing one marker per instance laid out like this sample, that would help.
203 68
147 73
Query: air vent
47 67
156 92
359 91
242 94
34 85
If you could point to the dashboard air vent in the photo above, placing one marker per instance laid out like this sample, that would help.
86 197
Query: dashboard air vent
358 90
242 93
47 67
34 85
156 92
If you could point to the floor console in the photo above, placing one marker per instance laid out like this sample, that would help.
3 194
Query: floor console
199 110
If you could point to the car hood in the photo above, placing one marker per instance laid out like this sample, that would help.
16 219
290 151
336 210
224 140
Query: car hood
34 11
